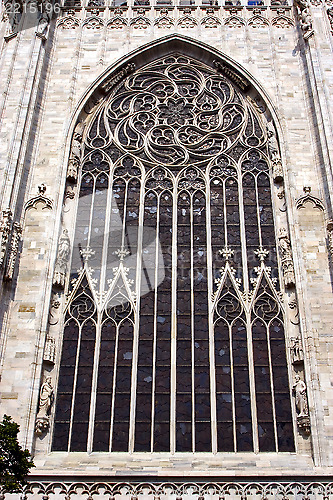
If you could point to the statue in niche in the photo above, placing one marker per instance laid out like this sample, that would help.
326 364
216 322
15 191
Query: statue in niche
75 155
273 150
299 389
60 270
297 351
286 257
45 403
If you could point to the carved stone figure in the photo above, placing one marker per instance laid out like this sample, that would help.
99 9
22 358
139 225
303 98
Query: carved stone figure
304 16
75 157
13 251
286 257
273 150
49 350
297 351
60 270
299 389
5 228
306 20
45 403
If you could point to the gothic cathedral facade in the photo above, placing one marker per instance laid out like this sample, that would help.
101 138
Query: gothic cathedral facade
166 248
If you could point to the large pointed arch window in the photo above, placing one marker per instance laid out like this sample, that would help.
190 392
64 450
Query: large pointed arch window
174 330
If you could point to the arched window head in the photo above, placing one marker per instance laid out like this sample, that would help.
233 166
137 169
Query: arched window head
174 331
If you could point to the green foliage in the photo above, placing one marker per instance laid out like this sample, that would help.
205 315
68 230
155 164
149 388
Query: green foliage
15 463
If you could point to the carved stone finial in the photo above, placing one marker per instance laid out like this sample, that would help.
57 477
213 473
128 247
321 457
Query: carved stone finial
286 258
60 270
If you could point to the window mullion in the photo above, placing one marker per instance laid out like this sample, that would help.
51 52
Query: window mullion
192 326
173 378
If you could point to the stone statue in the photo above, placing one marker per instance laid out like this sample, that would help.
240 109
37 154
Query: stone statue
60 270
306 20
297 351
75 157
273 151
49 350
286 257
299 389
45 398
45 403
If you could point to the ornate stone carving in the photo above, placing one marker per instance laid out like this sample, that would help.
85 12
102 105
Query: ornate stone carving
187 22
297 355
242 83
211 21
164 22
117 22
75 155
93 23
273 151
299 389
240 490
5 228
329 228
40 199
45 403
309 198
49 350
286 258
140 23
234 22
258 21
61 264
69 22
282 22
330 17
112 81
12 251
304 17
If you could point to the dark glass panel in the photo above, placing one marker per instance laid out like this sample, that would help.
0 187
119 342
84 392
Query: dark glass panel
225 439
101 436
66 379
122 407
202 407
162 407
244 436
79 436
184 407
142 436
120 436
203 436
60 436
103 407
285 436
184 436
162 436
63 409
223 378
266 436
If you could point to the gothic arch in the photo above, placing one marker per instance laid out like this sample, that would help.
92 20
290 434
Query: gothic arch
220 171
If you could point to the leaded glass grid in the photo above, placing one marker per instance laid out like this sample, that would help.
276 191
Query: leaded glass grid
174 330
